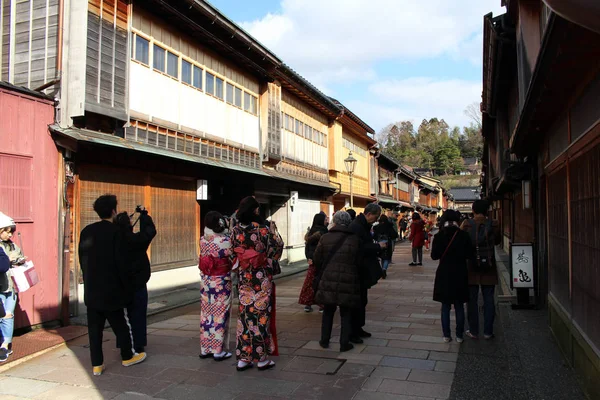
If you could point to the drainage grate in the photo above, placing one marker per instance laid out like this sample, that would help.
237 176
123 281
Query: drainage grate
314 365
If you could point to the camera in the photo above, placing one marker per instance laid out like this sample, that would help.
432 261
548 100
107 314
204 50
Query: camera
139 209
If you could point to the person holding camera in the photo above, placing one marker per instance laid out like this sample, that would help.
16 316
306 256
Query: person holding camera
216 286
257 249
107 284
8 295
136 256
385 232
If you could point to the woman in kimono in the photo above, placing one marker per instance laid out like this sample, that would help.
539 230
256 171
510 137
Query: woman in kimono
311 240
215 266
257 248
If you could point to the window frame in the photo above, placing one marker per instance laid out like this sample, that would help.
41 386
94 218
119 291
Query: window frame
210 77
237 90
170 53
194 69
191 71
154 58
229 86
135 50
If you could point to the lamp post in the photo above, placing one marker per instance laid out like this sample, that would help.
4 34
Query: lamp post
350 164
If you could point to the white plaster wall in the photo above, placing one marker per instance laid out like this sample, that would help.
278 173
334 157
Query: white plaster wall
163 97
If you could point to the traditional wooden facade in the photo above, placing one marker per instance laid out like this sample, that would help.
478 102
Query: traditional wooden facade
542 146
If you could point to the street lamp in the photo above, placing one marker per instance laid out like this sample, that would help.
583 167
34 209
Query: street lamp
350 164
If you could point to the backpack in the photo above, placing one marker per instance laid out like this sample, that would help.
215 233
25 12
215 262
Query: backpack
484 245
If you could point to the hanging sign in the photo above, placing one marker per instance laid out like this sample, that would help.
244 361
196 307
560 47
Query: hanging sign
201 189
521 255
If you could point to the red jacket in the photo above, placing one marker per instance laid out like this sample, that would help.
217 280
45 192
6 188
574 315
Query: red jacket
417 233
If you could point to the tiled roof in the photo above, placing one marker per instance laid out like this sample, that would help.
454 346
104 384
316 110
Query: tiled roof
465 193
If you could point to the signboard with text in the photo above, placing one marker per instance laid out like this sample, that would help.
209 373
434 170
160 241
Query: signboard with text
521 262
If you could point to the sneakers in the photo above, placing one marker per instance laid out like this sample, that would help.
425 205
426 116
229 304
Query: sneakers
321 310
459 340
447 339
97 371
307 309
419 264
384 274
469 334
488 337
3 354
413 264
136 359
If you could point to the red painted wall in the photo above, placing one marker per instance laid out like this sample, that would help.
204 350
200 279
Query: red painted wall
29 163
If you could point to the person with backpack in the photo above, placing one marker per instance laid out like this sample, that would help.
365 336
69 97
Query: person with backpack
384 232
453 248
485 234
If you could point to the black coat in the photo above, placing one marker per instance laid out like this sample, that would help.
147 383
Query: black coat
136 247
369 267
106 274
451 277
386 232
311 241
339 282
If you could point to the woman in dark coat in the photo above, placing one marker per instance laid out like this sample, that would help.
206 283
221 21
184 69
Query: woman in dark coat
385 232
318 229
339 285
452 247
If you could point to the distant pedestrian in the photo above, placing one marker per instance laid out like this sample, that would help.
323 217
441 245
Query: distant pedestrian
352 213
403 227
336 259
369 267
107 289
256 249
417 237
453 248
136 246
216 286
311 240
485 234
8 294
384 232
428 233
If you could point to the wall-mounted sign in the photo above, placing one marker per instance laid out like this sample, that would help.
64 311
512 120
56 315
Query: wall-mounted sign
201 189
521 255
293 198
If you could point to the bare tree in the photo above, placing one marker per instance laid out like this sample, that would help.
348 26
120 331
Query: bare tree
473 111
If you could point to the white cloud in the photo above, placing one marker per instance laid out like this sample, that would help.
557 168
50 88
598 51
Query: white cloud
416 99
333 42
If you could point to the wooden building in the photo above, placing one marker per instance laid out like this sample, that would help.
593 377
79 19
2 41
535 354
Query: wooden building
541 159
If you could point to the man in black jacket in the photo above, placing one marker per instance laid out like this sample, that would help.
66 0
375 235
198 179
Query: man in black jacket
106 284
370 269
136 247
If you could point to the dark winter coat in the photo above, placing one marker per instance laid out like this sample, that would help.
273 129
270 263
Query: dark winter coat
417 233
106 273
339 280
136 247
451 277
4 261
311 241
488 277
386 231
369 267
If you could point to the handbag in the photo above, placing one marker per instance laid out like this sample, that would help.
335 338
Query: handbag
24 276
337 245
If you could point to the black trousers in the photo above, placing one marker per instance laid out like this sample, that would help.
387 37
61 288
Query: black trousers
138 311
327 325
119 324
359 315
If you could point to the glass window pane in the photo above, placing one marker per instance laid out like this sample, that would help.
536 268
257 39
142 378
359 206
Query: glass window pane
229 93
254 105
301 129
142 47
247 104
219 88
186 72
197 77
210 83
238 97
172 61
159 58
297 131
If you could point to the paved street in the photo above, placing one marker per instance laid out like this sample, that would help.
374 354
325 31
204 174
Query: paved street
405 358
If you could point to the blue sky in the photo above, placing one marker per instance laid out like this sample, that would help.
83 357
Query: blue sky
387 60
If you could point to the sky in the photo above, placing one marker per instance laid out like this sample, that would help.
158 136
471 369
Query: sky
386 60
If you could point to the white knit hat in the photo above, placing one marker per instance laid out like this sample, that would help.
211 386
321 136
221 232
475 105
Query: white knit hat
6 221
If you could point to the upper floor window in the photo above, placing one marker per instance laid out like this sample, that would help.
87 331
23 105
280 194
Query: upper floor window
159 58
186 72
172 67
210 83
238 97
354 147
229 93
250 103
219 88
197 78
142 50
